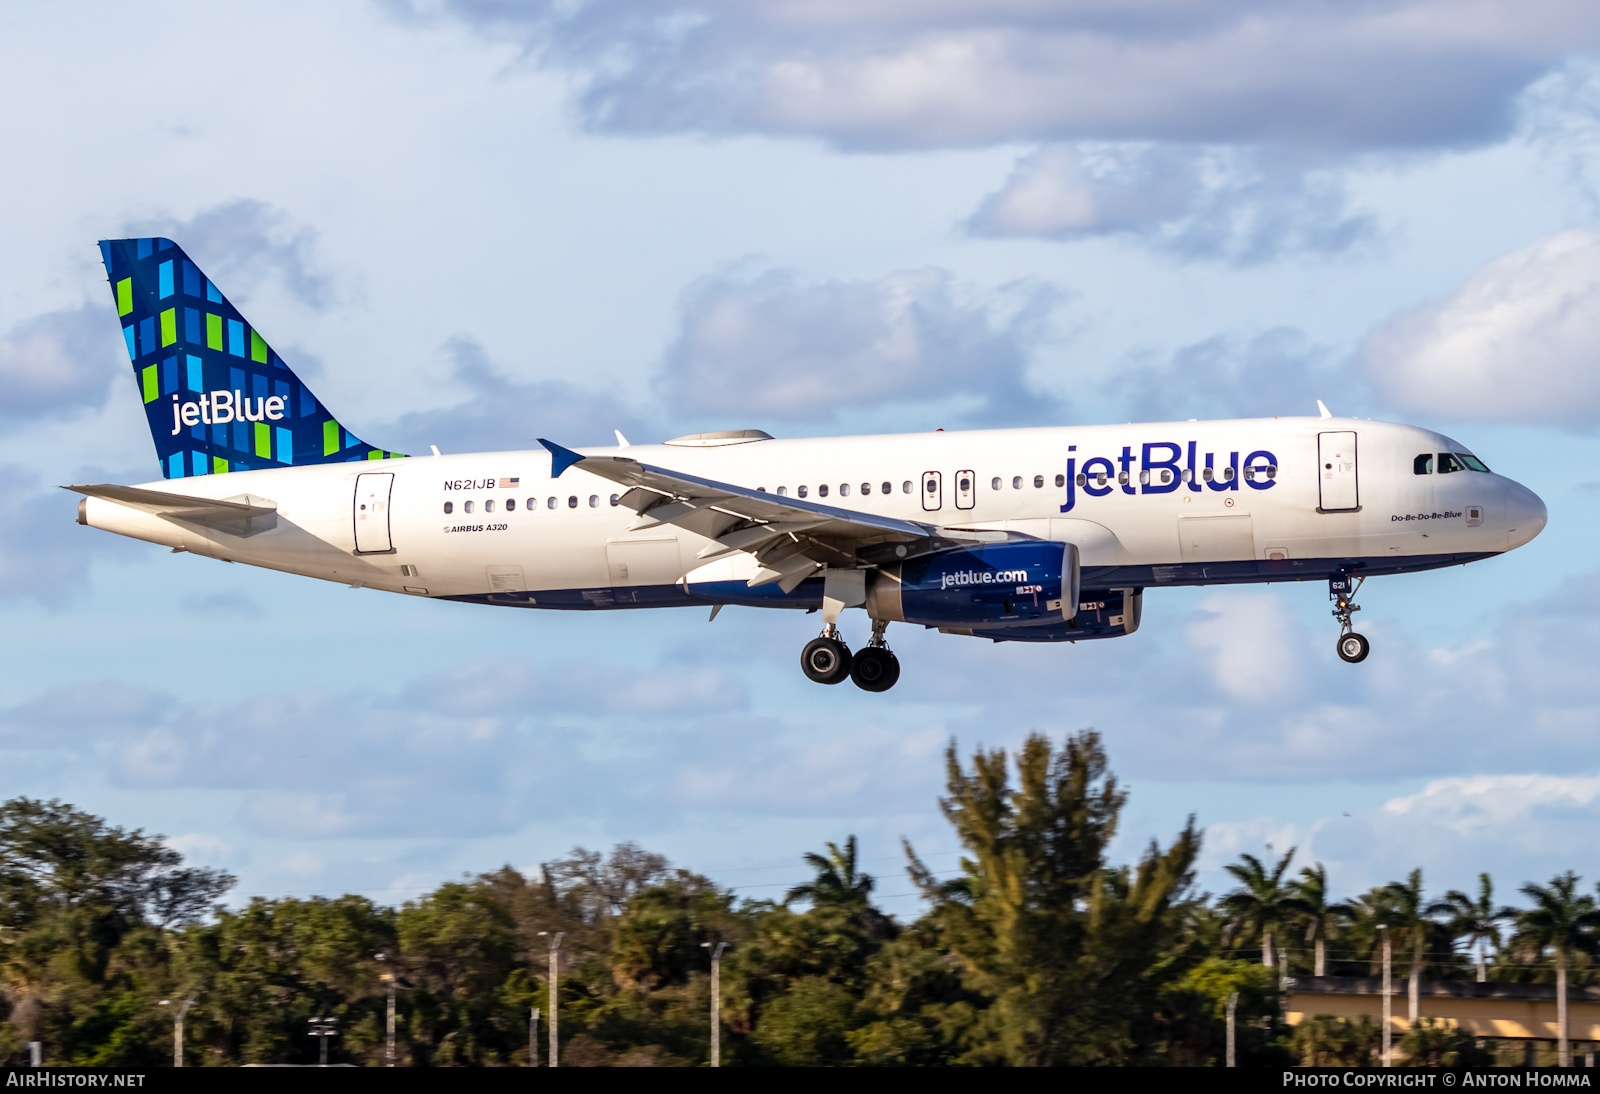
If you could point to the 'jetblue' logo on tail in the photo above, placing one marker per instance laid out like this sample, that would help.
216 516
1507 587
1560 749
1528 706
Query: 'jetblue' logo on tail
222 407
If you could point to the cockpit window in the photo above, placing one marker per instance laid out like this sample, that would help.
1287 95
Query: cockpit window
1423 464
1472 462
1448 463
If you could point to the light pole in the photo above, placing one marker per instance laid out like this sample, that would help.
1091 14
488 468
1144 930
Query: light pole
555 945
388 1054
1388 1000
177 1028
1233 1003
322 1029
716 1000
533 1037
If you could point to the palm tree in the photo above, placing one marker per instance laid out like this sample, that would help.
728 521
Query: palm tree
1410 916
837 883
1476 921
1261 903
1310 897
1562 921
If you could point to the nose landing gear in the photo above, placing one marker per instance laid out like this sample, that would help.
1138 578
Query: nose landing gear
1342 588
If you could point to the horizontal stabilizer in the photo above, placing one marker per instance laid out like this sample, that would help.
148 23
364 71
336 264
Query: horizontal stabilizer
240 515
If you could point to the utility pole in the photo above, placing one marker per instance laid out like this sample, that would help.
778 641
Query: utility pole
716 1001
1388 1001
555 1016
177 1028
388 1052
322 1029
1233 1004
533 1037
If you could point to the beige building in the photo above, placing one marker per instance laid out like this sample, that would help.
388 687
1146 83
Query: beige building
1503 1011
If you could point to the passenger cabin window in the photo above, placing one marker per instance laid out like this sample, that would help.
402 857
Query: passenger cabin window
511 505
888 488
783 491
551 504
1061 480
594 501
1472 462
572 502
449 507
466 507
822 491
905 487
1038 482
994 483
1423 464
1016 482
866 488
1448 463
615 498
800 491
488 506
844 490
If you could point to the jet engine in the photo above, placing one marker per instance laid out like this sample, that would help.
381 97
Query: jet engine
999 585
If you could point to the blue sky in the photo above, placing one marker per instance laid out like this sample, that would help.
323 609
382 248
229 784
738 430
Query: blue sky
471 223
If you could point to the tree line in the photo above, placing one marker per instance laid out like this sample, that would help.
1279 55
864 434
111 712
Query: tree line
1037 950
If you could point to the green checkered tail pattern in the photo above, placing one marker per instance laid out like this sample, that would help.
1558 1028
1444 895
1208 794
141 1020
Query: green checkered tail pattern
217 397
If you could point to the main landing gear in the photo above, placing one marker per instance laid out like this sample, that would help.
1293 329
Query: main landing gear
827 660
1342 588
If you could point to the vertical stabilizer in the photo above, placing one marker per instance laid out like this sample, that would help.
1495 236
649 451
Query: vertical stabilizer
217 397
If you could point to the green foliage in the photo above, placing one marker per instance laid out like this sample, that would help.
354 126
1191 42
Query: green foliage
1326 1041
1433 1042
1038 951
1070 953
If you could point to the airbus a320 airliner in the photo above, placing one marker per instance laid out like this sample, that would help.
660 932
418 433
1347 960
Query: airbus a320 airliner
1015 535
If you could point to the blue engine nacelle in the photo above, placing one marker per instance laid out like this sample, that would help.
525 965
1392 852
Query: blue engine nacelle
1002 585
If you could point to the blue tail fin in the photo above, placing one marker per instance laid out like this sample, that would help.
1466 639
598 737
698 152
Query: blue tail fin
217 397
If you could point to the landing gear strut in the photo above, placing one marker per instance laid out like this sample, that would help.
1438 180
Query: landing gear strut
876 668
1342 588
826 659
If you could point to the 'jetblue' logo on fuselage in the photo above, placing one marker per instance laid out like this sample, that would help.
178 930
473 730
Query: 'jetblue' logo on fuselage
1165 467
222 407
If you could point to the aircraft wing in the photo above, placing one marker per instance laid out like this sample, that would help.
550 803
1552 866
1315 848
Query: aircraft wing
241 515
791 537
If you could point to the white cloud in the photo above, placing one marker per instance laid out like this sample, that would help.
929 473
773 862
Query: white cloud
1250 640
1519 828
1519 341
201 847
884 73
776 348
1233 204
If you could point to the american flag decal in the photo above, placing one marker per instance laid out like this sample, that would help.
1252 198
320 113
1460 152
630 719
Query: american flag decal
507 484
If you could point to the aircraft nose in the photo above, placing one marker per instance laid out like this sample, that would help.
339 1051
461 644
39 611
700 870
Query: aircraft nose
1526 515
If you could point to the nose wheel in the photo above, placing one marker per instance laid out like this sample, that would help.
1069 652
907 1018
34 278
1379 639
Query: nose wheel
1342 587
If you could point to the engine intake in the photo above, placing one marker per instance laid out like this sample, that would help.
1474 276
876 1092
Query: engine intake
993 585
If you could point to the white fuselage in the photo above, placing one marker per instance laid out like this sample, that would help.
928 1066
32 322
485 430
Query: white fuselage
563 542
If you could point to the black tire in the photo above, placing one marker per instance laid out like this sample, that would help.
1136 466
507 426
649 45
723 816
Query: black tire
1353 648
825 660
875 669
